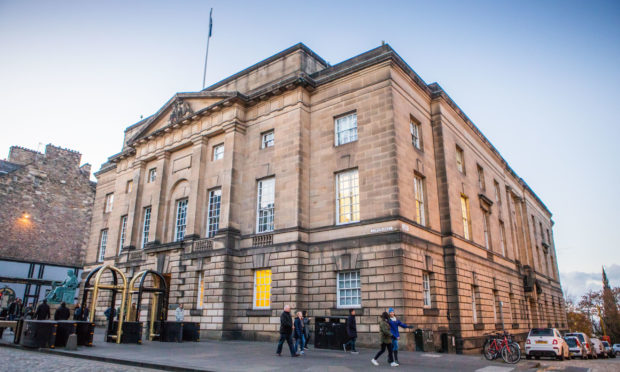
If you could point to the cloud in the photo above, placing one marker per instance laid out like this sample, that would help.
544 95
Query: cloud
576 283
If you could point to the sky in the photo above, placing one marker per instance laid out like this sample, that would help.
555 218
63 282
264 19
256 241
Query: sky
541 79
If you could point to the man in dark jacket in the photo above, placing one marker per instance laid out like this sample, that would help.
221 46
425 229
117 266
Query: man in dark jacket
62 313
43 311
15 309
286 331
351 332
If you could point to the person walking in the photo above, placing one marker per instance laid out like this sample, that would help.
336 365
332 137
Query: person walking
306 329
299 333
77 313
386 340
62 313
15 309
43 311
178 313
286 331
29 311
351 328
85 313
394 324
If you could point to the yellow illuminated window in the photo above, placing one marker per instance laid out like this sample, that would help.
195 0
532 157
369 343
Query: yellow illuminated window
465 215
262 288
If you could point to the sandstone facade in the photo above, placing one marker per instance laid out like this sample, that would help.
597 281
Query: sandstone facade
315 130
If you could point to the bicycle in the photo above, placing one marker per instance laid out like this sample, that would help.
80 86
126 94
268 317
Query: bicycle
501 344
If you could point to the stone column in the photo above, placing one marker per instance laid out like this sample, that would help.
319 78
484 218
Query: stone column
134 214
159 209
233 153
197 194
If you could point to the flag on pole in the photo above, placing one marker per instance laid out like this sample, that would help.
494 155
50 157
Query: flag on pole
204 75
210 22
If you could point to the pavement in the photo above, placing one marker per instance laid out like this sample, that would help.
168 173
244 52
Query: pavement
260 357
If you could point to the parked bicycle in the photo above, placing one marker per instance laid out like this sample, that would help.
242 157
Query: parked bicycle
501 344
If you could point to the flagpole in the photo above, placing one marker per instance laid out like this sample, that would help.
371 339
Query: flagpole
204 75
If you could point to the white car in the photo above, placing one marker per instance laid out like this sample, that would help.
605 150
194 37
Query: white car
546 342
576 348
598 348
616 348
585 340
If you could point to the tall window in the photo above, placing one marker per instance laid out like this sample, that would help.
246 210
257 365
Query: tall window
498 196
109 202
152 175
542 233
349 289
414 128
267 140
121 241
502 237
486 225
218 152
426 287
181 220
513 305
262 289
548 238
146 226
103 242
418 184
465 217
128 187
200 293
481 182
213 217
474 306
346 129
347 197
265 205
460 160
495 307
534 241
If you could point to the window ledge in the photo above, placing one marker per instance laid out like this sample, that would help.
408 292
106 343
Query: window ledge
258 312
430 311
478 326
344 311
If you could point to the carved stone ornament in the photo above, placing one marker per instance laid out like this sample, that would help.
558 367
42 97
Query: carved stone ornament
180 110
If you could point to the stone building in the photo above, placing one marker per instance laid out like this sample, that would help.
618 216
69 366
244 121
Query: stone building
46 201
326 187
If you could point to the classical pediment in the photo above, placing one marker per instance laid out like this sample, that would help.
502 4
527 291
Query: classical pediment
179 108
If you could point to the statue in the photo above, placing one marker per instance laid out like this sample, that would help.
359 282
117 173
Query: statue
180 110
65 291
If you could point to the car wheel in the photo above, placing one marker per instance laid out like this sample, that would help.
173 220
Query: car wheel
528 357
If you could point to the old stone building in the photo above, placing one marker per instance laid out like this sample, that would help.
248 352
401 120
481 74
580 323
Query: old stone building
45 210
326 187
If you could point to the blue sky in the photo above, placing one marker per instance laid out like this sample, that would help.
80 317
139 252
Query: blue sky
539 78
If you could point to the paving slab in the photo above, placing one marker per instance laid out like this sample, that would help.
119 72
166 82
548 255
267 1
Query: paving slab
209 355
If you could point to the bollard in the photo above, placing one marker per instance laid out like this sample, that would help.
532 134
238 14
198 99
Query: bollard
72 342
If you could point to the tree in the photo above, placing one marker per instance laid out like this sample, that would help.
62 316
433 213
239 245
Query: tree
577 320
610 316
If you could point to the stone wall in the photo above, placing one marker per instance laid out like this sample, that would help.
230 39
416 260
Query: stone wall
45 207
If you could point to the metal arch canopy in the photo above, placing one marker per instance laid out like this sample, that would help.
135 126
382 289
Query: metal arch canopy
160 297
114 287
